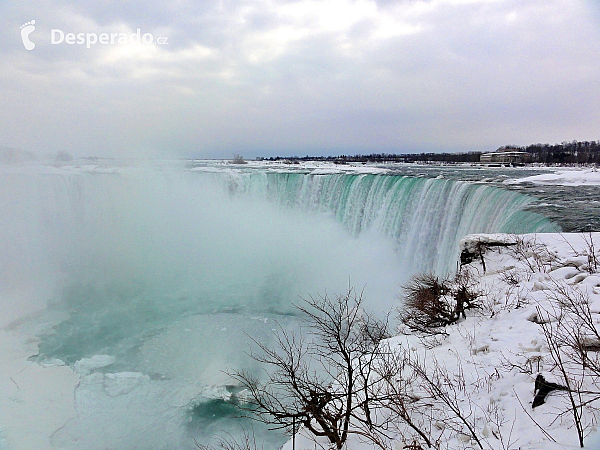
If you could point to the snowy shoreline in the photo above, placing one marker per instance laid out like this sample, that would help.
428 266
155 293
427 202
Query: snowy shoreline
563 177
498 351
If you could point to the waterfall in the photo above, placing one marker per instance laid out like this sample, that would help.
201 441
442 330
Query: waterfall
425 218
160 224
65 219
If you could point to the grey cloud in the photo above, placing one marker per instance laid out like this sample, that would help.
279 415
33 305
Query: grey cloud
473 76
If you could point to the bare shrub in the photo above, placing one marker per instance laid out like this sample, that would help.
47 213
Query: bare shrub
427 306
522 363
534 255
593 255
573 386
464 293
431 303
511 277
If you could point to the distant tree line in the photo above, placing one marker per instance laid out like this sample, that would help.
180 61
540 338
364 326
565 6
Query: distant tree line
573 152
385 157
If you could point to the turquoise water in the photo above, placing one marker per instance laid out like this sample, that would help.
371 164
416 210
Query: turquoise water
166 272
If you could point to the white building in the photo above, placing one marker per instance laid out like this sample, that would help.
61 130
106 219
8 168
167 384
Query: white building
505 157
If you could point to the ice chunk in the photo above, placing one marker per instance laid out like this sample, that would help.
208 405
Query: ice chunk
86 366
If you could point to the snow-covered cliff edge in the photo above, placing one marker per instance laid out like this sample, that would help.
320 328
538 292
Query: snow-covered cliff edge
540 299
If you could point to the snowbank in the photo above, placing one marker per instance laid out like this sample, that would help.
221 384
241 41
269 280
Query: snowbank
584 177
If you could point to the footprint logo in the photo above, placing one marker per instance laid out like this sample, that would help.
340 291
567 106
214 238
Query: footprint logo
26 29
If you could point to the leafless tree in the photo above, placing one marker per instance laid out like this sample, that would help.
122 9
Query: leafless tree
397 390
573 340
326 379
443 392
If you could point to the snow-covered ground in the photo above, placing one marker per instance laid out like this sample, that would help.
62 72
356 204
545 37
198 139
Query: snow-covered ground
581 177
494 356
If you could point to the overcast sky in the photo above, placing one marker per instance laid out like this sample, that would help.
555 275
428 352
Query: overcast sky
267 77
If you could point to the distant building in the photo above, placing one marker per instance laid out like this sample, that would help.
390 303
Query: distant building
507 156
